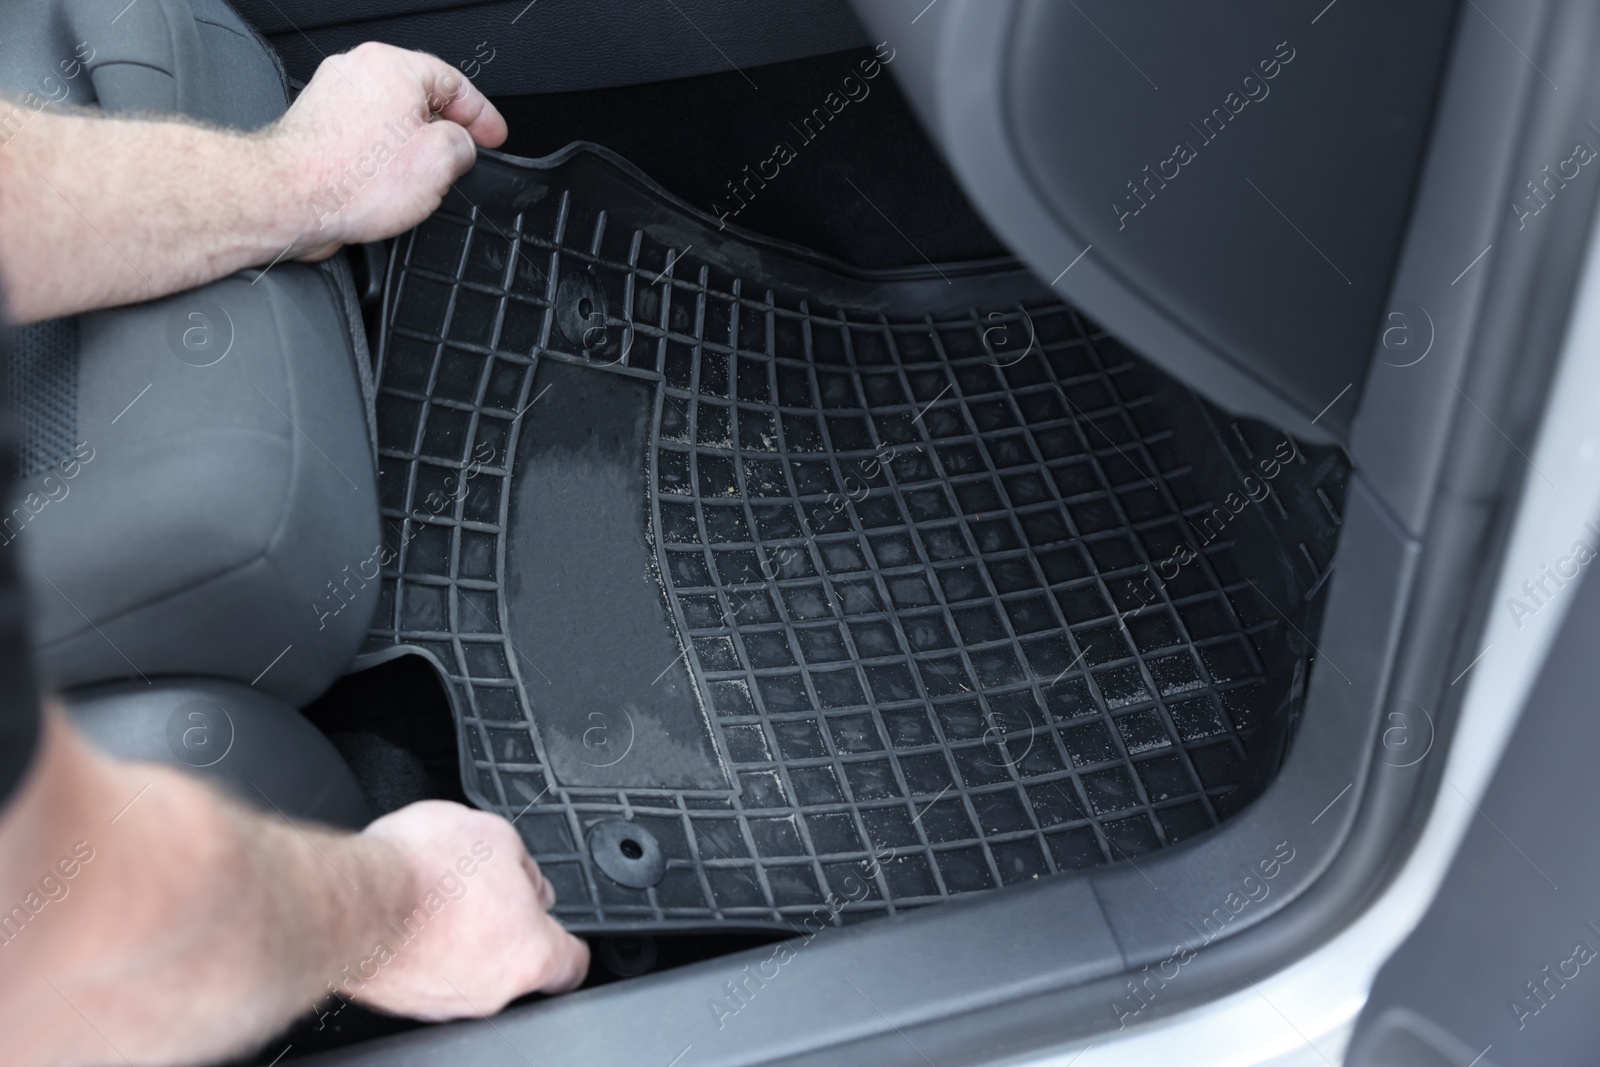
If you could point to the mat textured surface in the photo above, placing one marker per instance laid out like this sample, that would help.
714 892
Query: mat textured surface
763 587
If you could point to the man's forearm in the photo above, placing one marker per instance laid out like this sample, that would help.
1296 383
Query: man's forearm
97 211
194 927
147 208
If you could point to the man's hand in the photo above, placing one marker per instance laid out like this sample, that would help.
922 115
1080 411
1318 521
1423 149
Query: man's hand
375 141
197 927
97 211
480 930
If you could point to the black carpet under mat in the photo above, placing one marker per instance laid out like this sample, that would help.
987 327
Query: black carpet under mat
762 586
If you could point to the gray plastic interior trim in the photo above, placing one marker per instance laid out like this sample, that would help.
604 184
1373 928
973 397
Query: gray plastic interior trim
1400 430
951 65
783 1010
1328 987
947 58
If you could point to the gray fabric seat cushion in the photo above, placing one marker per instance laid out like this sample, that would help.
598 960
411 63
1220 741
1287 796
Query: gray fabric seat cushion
212 518
188 57
217 514
256 747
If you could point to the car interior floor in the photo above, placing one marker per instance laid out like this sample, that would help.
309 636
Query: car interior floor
809 560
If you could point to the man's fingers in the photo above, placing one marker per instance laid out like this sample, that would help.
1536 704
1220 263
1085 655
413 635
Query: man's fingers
541 884
453 97
571 962
320 253
554 961
455 144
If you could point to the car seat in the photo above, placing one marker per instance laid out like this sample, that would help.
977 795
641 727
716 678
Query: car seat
197 481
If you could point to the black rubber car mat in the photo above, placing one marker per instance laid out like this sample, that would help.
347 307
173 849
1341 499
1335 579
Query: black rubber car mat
767 589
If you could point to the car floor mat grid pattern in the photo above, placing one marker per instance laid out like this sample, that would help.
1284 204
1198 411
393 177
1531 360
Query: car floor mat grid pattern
897 533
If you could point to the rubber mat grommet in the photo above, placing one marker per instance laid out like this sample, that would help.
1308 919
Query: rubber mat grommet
626 853
580 310
628 957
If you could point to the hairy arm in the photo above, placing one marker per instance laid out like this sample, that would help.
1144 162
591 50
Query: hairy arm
97 211
150 919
